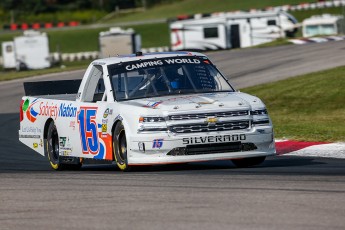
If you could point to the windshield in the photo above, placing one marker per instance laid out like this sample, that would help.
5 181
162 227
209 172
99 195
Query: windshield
165 76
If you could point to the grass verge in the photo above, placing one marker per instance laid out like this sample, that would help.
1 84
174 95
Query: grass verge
201 6
308 107
72 41
153 35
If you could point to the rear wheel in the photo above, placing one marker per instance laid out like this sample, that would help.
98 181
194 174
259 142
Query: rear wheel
248 162
120 147
52 149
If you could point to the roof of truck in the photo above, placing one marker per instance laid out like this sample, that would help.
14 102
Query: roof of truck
143 56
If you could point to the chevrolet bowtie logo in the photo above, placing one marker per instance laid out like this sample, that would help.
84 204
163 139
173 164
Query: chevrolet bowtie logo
211 120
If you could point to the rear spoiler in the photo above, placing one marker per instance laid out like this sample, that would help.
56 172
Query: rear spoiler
51 87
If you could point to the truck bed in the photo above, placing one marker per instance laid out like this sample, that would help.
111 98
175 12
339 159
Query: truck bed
65 97
64 89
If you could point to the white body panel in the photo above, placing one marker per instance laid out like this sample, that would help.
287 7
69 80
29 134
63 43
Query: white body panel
32 50
234 30
85 128
8 55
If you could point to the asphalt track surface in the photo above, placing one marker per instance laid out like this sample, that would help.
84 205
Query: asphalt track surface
285 192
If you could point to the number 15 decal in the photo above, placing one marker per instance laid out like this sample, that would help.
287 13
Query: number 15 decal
88 130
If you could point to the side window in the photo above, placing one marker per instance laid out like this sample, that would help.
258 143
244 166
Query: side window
271 23
94 88
9 49
99 91
211 32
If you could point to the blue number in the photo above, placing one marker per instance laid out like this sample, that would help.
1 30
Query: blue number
88 130
91 131
157 143
81 121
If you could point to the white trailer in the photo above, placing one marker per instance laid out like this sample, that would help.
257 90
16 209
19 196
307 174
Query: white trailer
118 41
230 30
8 55
325 24
32 51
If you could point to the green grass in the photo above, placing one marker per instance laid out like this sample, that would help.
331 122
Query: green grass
201 6
300 15
153 35
68 66
72 41
309 107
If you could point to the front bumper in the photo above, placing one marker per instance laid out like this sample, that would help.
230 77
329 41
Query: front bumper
166 149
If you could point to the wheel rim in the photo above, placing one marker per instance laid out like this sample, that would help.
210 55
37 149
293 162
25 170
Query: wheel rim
122 145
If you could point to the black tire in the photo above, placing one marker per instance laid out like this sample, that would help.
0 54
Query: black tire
120 147
248 162
52 147
52 150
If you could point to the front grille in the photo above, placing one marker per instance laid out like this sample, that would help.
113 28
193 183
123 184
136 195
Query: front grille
180 117
205 127
212 148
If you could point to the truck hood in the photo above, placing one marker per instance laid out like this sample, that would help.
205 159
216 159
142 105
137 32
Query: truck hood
196 102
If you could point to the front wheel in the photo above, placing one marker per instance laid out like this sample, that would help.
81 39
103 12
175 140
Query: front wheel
248 162
120 147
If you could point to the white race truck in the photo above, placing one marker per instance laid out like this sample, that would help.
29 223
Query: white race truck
145 109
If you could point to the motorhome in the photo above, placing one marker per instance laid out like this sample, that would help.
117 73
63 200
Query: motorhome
325 24
230 30
118 41
30 51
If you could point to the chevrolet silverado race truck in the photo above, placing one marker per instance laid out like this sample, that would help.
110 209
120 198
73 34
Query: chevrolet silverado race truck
145 109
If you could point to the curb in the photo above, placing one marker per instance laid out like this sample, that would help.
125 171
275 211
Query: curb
302 41
310 149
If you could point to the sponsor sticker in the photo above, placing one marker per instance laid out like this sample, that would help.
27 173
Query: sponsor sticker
104 128
29 136
62 141
118 117
153 104
31 129
170 61
54 110
157 143
107 112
